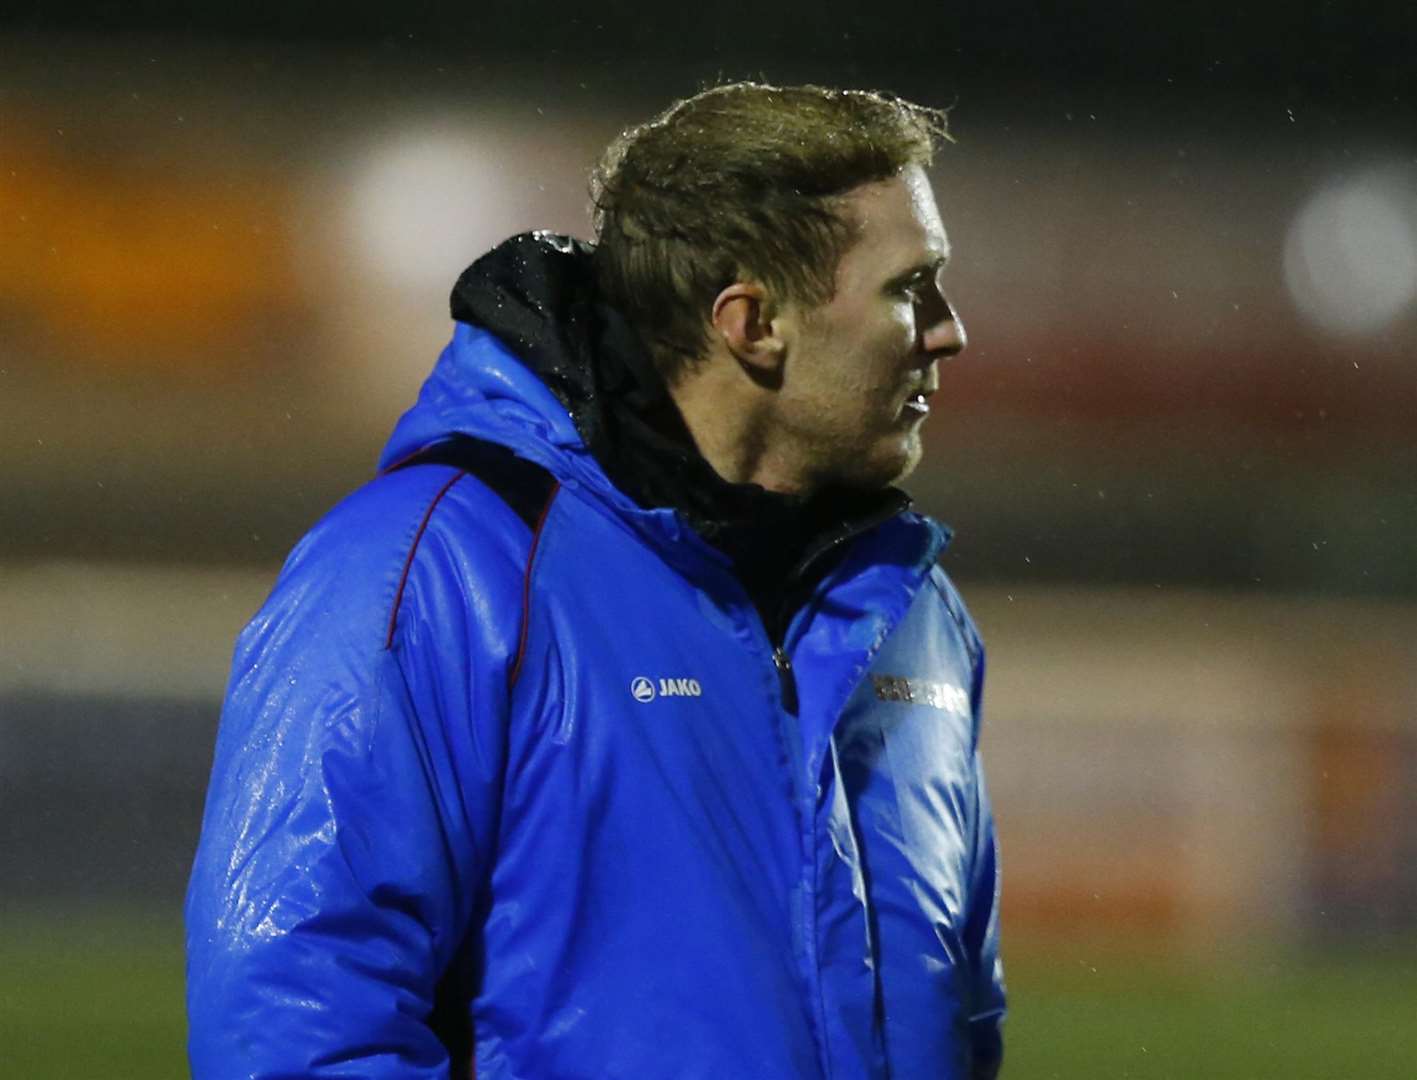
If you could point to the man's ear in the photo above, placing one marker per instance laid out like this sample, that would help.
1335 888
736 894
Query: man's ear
743 319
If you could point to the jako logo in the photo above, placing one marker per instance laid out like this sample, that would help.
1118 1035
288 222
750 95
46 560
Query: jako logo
643 689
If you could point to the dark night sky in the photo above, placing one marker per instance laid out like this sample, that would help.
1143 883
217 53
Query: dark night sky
1332 54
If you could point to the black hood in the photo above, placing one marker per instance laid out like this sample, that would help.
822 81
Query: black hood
536 292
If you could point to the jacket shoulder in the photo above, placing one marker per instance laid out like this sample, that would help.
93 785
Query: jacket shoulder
377 556
969 635
954 604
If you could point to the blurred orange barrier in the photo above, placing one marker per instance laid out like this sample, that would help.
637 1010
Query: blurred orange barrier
131 262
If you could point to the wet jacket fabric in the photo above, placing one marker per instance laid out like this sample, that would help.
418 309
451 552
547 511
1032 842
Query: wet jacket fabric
515 785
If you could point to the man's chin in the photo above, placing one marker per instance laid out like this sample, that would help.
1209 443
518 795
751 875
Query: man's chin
906 459
885 469
910 465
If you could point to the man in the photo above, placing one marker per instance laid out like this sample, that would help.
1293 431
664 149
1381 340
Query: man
624 726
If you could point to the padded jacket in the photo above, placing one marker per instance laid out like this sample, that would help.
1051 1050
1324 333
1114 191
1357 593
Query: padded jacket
511 779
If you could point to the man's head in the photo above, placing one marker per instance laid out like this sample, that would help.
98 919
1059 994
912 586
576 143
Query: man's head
792 230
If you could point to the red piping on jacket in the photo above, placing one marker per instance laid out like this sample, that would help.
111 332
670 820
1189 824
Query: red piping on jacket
413 549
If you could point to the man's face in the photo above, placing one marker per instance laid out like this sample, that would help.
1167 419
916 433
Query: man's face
859 369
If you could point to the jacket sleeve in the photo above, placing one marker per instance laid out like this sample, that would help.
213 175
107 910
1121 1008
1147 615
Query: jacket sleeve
982 942
988 999
352 805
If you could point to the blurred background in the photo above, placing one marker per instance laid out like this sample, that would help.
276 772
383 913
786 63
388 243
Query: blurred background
1180 456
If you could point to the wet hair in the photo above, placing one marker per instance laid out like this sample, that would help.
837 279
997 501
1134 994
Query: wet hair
743 181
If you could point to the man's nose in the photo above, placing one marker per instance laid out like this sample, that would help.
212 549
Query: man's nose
944 333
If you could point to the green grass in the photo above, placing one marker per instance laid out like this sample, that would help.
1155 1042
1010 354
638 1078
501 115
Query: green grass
1326 1016
90 995
85 995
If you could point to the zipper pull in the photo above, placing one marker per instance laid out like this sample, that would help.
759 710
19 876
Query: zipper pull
786 680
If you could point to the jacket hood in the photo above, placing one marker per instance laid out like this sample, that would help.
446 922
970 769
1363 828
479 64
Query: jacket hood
523 368
537 357
481 385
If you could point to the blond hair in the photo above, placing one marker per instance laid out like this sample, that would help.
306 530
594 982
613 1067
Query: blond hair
741 181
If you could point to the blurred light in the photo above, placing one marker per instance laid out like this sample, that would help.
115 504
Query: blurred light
1350 259
422 200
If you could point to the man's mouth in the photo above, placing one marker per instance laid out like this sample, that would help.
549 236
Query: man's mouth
918 404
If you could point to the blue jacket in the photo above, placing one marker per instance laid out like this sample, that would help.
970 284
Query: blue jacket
542 765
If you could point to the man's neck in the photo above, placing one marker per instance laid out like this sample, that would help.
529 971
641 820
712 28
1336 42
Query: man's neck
732 428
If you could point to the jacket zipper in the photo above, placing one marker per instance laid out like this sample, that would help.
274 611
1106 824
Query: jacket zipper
787 681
